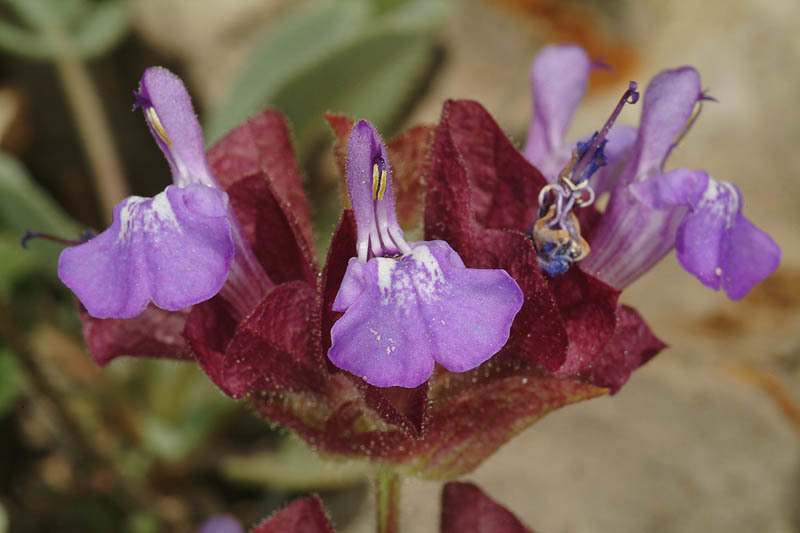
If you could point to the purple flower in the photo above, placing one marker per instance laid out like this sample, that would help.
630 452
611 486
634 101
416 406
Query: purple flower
221 524
177 248
559 76
650 211
408 305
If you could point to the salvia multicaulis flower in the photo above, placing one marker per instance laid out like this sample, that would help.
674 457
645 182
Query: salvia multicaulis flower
569 341
651 211
177 248
408 305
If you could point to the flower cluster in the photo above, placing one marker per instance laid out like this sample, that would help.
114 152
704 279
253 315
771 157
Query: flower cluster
430 354
650 211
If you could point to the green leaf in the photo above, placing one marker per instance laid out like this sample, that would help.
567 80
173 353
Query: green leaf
294 467
10 385
24 205
388 67
106 25
62 27
287 51
23 42
353 56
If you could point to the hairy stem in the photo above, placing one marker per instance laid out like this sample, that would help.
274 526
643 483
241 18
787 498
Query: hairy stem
388 496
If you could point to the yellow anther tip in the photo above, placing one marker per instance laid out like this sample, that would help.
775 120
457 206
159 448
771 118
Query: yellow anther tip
155 122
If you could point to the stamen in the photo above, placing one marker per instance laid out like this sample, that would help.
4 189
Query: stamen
29 235
382 188
152 117
631 96
556 233
375 181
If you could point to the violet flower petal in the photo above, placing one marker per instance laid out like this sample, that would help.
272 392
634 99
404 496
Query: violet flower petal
669 102
423 307
714 241
559 76
221 524
170 116
632 236
681 186
717 244
174 249
751 256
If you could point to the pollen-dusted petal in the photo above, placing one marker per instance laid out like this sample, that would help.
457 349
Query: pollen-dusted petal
558 82
174 249
717 244
422 307
170 116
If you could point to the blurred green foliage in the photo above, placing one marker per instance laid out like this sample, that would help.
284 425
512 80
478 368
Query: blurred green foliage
363 58
293 466
23 206
92 28
10 385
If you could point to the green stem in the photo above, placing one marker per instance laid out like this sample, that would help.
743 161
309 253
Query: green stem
84 103
388 496
94 130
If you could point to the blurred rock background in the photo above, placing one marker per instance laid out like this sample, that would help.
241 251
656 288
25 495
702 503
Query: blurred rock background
704 438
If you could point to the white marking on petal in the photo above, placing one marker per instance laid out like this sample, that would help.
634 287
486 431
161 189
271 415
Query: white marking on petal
426 278
161 213
146 215
385 268
127 216
721 199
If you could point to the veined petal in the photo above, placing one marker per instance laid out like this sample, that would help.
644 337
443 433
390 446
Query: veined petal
721 247
170 116
559 77
174 249
423 307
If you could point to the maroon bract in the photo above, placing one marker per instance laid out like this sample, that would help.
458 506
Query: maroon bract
465 507
300 516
